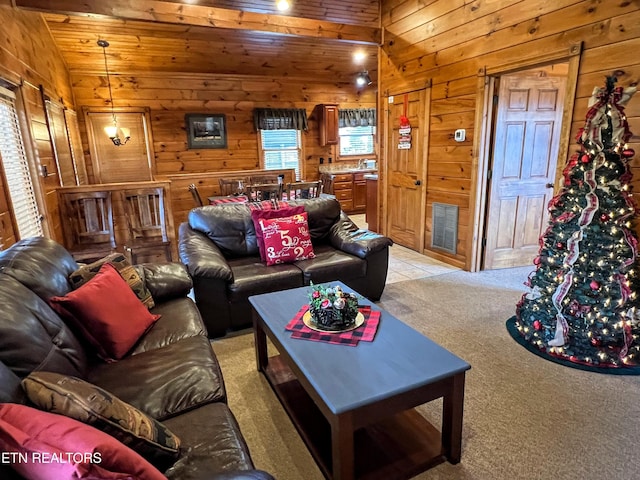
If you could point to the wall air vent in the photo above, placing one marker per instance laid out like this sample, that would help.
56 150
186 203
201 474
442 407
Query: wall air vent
445 227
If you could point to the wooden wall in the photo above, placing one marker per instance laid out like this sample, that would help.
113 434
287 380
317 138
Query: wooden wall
169 97
29 57
450 41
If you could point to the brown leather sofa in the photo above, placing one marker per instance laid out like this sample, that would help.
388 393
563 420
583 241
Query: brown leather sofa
171 374
219 247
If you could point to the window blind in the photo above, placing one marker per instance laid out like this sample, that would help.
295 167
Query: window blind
281 149
16 169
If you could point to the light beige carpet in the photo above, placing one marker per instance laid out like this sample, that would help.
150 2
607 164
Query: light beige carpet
525 417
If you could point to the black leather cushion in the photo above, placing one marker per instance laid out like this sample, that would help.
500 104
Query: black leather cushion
179 318
33 336
252 277
166 381
322 213
229 226
165 280
211 442
331 264
87 403
41 264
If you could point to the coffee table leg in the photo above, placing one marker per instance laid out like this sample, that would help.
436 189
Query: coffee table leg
453 405
342 451
260 339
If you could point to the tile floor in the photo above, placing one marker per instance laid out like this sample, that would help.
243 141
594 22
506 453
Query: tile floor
406 264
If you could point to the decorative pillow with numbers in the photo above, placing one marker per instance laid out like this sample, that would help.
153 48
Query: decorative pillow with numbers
287 239
256 215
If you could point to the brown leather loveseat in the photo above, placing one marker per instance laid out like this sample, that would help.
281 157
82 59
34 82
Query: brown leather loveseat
219 247
171 374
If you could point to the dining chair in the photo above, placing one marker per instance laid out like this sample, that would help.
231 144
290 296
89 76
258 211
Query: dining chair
296 190
197 199
87 223
265 191
146 223
232 186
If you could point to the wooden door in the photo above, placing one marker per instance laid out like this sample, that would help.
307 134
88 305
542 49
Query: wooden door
525 152
60 142
131 162
75 141
406 171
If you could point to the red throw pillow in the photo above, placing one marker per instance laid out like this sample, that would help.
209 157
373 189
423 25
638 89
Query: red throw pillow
256 215
44 446
107 312
287 239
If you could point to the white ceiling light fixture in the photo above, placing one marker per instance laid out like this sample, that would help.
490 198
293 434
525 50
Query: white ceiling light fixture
283 5
359 56
363 79
119 136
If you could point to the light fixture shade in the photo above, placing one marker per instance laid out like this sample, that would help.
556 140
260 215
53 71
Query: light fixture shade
126 133
111 130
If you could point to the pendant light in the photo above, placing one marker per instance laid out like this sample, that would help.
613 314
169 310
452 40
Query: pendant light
119 136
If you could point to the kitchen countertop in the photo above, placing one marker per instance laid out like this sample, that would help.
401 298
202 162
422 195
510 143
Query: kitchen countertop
336 169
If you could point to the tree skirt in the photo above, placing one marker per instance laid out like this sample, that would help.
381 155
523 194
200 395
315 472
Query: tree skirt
513 331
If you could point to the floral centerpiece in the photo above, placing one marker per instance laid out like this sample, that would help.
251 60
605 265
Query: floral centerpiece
331 308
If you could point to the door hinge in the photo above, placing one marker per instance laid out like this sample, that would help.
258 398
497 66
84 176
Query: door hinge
484 242
489 174
495 100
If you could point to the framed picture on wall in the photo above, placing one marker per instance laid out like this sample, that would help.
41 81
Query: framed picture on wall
206 130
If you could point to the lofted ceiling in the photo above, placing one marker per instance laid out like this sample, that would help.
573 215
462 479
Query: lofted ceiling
315 40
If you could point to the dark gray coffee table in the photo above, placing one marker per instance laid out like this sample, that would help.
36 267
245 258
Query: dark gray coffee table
354 406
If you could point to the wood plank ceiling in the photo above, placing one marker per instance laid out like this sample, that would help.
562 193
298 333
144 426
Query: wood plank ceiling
316 39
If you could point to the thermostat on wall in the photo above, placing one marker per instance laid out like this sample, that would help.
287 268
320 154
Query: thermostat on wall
459 135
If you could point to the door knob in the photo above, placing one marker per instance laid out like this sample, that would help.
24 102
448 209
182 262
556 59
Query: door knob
417 182
549 185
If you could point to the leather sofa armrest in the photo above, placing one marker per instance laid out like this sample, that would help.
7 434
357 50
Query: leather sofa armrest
235 475
202 257
346 236
165 280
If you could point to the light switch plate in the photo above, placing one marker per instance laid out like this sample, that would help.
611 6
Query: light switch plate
459 135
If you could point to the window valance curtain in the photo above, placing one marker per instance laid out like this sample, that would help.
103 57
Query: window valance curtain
357 117
280 119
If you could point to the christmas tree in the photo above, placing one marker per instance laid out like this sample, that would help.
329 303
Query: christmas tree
582 303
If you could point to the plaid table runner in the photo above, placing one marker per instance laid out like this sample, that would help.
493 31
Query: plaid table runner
231 199
365 332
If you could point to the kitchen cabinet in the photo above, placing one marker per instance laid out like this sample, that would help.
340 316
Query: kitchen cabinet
359 193
328 120
350 189
343 190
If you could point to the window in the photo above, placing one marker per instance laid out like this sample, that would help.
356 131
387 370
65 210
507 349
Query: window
357 130
16 169
357 140
281 149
